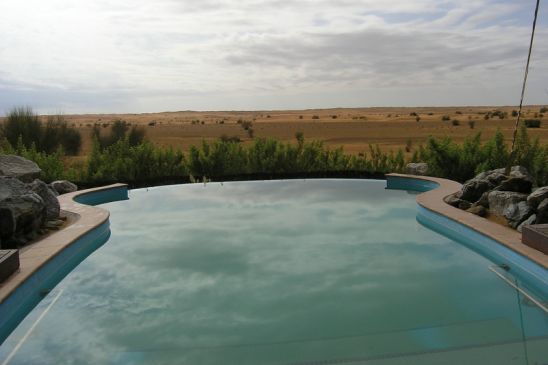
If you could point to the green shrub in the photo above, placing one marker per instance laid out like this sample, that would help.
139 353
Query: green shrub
532 123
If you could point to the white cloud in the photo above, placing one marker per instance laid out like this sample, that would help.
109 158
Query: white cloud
218 54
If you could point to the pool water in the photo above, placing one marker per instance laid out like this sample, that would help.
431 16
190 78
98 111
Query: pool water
279 272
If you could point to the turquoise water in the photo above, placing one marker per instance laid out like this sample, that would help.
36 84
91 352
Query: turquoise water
279 272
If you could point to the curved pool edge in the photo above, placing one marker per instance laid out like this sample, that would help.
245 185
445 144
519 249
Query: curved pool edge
499 244
46 262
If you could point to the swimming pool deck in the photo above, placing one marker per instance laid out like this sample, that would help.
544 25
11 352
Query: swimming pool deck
433 201
81 219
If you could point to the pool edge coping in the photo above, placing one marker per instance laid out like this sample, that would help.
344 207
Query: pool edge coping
433 200
38 254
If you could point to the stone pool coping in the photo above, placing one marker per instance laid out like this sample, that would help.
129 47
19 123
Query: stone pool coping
432 200
81 220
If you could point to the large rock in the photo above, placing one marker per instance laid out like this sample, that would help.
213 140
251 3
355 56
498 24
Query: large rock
417 168
527 222
49 196
483 200
19 167
27 209
500 200
537 196
473 189
63 186
453 200
516 213
496 176
7 224
477 210
517 171
542 212
518 184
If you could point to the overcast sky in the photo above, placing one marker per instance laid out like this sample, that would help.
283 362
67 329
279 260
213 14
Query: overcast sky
76 56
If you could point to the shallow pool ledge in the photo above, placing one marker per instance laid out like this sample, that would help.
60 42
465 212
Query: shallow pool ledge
444 216
44 263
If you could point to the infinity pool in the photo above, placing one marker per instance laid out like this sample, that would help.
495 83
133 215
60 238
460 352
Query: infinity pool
279 272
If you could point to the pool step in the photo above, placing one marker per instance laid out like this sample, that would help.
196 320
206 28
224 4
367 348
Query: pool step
9 263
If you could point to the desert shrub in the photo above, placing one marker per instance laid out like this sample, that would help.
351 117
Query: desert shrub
471 124
119 130
514 113
413 114
408 145
458 112
57 134
124 162
446 158
496 113
417 119
234 139
300 117
246 124
334 117
445 118
463 161
151 124
455 122
315 117
532 123
23 126
543 110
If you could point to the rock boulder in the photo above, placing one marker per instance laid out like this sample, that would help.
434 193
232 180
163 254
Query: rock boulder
477 210
417 168
473 189
27 209
49 196
63 186
516 213
517 184
537 196
500 200
542 212
19 167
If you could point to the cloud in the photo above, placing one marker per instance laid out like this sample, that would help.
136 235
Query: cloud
136 56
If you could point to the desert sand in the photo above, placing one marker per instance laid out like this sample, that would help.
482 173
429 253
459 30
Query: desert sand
353 129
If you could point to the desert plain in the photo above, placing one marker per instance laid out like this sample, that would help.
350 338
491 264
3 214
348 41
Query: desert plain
354 129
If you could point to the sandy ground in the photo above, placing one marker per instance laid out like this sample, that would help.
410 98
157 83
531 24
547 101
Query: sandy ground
354 129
